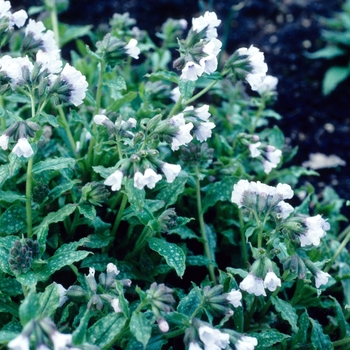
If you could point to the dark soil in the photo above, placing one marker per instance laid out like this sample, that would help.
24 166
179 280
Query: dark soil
284 30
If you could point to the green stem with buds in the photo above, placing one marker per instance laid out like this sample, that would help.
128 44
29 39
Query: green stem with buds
202 228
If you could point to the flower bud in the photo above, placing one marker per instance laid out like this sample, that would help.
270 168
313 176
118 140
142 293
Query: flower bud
76 292
95 193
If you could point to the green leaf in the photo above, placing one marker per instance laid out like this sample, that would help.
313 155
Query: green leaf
71 32
105 330
10 286
42 230
189 303
318 339
141 327
117 104
97 261
48 119
87 210
163 75
53 164
155 343
170 192
301 337
135 196
10 197
58 261
29 308
268 338
117 84
218 191
48 301
12 168
187 88
173 254
13 219
327 52
6 336
60 190
287 312
339 315
333 77
80 332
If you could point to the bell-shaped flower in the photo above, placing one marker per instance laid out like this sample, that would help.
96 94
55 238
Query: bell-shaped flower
316 228
116 305
60 340
191 71
234 298
203 130
49 61
246 343
254 149
253 285
321 278
209 64
194 346
209 21
21 342
171 171
271 281
23 148
77 83
4 141
132 49
268 84
115 180
150 178
212 338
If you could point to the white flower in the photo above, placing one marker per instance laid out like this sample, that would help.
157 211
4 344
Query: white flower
212 338
209 64
269 83
99 119
316 228
111 268
77 83
163 325
12 67
17 18
285 209
49 61
45 37
61 340
194 346
257 65
4 141
171 171
285 191
21 342
209 21
116 305
150 178
61 291
23 148
246 343
191 71
239 189
203 131
175 94
273 155
91 272
234 298
132 50
254 149
213 47
253 285
202 112
115 180
139 180
271 281
182 136
321 278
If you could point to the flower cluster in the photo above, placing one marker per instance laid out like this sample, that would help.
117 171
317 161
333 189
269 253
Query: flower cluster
256 196
198 53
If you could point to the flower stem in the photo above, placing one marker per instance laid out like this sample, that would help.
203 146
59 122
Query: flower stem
117 221
258 115
341 342
250 314
54 21
200 93
207 250
346 240
29 197
66 128
140 243
175 107
243 240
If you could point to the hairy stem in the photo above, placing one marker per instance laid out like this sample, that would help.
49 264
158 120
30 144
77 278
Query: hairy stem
29 197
